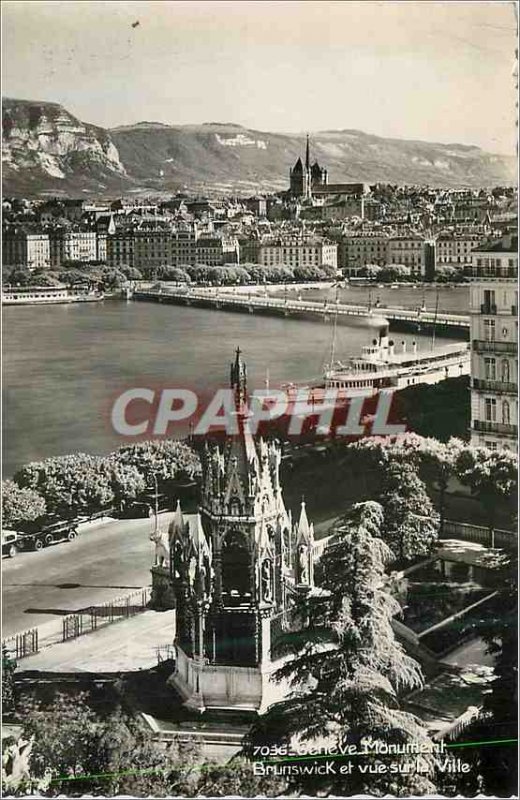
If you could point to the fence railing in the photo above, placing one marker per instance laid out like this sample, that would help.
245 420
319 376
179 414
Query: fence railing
495 386
165 652
22 644
494 346
90 619
453 530
479 534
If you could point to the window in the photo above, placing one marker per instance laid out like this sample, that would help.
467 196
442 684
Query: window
490 369
490 406
489 299
489 330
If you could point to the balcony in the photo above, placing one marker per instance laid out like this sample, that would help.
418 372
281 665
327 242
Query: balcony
492 273
486 426
500 387
482 346
488 308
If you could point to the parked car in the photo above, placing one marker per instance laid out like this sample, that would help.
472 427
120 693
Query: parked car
9 543
47 531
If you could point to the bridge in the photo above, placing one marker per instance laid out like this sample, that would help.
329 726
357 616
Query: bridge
320 310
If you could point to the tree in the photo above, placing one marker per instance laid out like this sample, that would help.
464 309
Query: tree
347 668
371 271
494 769
131 273
165 460
112 278
411 524
438 465
71 485
310 273
167 273
125 481
20 505
109 756
19 277
43 278
492 476
73 277
237 779
8 669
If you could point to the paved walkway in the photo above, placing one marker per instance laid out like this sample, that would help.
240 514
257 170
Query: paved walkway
125 646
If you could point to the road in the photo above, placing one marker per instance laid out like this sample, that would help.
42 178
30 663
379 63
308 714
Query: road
102 563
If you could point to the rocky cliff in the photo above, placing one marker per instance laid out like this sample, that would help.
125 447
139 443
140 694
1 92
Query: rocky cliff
47 150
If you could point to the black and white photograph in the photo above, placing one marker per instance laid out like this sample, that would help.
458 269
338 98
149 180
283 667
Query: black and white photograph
260 398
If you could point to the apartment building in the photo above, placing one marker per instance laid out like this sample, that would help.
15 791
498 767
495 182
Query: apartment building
297 252
120 248
494 337
455 250
407 250
22 249
152 248
183 247
356 251
72 246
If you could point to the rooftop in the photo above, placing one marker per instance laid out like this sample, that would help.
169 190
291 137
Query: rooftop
507 244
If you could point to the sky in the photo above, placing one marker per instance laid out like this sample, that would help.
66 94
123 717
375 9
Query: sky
435 71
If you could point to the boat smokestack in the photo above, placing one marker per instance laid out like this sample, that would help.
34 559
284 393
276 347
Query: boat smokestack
403 347
414 348
383 337
391 348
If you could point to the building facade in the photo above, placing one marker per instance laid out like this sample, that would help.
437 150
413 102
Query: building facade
297 251
21 249
357 251
455 250
120 248
72 246
494 337
407 250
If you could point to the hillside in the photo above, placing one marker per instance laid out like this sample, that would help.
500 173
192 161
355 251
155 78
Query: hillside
46 149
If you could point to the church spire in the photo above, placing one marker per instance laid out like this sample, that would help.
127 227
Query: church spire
238 379
307 155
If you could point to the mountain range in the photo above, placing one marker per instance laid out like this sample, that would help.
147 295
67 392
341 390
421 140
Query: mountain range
48 151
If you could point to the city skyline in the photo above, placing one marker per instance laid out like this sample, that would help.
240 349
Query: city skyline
275 67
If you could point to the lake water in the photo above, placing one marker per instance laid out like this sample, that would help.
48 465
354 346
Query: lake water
64 365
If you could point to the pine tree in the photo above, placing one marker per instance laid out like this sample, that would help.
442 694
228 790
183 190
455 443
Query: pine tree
411 524
347 668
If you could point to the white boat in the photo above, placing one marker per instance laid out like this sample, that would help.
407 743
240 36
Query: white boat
40 295
381 367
